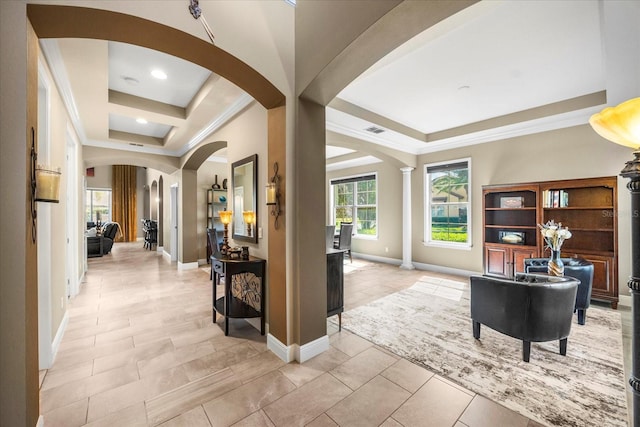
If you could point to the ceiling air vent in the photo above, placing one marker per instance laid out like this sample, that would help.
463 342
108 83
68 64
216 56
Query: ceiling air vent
374 129
136 144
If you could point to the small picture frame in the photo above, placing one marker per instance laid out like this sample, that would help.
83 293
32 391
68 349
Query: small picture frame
512 237
512 202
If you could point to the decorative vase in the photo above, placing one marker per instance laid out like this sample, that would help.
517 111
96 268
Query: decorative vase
555 266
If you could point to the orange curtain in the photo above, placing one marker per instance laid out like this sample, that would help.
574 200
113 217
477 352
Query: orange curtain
123 193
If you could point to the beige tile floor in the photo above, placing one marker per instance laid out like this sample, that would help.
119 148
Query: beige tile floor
140 349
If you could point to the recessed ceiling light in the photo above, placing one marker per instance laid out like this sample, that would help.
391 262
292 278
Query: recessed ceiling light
141 120
159 74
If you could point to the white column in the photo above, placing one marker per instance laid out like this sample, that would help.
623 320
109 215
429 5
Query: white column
406 219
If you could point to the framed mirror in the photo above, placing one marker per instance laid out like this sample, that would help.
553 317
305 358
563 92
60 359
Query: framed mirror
244 183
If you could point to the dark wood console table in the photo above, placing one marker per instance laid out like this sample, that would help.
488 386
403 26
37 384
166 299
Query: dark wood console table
335 283
243 288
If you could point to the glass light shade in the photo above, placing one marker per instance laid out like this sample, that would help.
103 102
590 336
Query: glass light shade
225 216
619 124
271 193
47 185
249 217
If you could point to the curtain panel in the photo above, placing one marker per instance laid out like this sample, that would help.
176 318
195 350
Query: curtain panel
124 179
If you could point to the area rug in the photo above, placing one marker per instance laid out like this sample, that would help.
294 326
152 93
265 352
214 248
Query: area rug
429 324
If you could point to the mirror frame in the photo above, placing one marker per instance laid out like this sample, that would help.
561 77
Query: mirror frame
234 165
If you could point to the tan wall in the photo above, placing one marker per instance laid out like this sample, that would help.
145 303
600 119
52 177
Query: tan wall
570 153
389 180
246 135
562 154
101 177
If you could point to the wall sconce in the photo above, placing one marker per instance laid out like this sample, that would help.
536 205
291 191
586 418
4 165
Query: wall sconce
225 218
273 194
621 124
249 218
45 185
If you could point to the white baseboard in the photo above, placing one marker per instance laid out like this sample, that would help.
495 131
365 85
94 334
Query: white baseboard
625 300
284 352
40 422
55 345
187 265
202 261
166 255
312 349
417 265
160 249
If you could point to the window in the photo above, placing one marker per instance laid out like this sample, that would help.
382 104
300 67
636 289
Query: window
98 208
356 200
448 203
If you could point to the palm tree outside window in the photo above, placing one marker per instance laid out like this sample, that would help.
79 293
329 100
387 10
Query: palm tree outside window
448 203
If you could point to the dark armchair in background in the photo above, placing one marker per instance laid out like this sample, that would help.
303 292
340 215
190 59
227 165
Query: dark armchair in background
534 307
578 268
102 244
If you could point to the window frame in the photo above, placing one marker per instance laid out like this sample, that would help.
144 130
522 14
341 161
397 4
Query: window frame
428 241
89 201
333 182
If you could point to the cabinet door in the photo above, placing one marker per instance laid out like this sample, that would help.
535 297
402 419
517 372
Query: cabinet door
518 255
496 261
604 286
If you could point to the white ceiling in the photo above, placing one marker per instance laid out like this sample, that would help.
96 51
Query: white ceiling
491 60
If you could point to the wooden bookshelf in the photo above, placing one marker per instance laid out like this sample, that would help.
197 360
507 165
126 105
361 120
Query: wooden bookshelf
587 206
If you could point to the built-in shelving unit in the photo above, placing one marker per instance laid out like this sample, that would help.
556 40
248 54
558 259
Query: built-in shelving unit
587 206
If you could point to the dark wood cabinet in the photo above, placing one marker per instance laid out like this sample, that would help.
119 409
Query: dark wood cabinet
335 284
587 206
510 232
244 288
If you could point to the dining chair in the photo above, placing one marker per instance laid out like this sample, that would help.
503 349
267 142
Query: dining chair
344 241
214 242
331 229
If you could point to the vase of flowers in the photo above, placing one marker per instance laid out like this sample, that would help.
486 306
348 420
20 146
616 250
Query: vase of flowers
554 236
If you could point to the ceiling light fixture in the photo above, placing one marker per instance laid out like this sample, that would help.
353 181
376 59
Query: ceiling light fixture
159 74
196 12
141 120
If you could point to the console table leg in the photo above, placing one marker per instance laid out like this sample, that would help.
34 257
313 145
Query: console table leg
226 325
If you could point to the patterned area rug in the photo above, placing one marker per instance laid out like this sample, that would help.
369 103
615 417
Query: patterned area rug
429 324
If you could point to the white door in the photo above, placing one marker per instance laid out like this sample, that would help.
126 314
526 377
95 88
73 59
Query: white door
174 222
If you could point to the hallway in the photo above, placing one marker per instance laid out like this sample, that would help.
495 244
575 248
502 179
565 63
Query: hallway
140 350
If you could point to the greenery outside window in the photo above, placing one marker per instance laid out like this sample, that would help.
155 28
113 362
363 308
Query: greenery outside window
355 200
98 205
448 203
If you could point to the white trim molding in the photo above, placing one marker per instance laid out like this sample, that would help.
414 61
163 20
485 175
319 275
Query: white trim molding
166 255
55 345
187 265
284 352
312 349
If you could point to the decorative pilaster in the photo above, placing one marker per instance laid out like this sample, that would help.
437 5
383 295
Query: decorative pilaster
406 219
632 171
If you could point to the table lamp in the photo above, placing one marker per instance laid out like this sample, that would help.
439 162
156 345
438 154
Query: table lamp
225 218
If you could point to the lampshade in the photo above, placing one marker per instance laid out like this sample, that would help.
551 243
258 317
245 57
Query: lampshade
620 124
225 216
249 217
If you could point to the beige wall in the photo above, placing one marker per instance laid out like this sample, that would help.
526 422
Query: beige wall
246 135
562 154
389 180
101 177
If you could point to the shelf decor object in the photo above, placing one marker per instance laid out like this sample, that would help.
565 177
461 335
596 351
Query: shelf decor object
554 235
621 124
225 218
